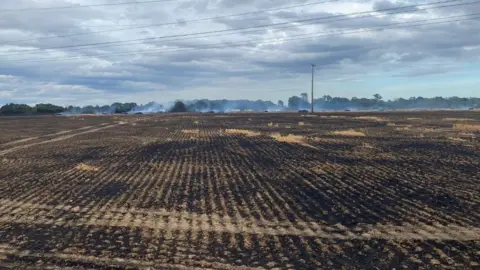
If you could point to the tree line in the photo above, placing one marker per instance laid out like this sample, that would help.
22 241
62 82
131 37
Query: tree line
301 102
116 107
327 102
24 109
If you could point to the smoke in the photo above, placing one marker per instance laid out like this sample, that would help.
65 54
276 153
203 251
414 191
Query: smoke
327 103
232 106
151 107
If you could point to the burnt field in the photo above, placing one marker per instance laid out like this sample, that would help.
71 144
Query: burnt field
238 191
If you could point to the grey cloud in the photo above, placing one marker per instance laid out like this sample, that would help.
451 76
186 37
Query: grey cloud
241 22
259 4
133 69
321 56
385 4
424 72
42 22
286 15
235 3
469 7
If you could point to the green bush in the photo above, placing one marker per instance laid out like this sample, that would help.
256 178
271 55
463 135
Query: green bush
179 107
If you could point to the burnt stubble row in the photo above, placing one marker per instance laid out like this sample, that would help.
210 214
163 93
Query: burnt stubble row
252 190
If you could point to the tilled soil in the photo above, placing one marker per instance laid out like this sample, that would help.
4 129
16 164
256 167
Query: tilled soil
239 191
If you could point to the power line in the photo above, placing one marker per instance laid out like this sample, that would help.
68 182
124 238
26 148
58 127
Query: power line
273 40
346 17
176 22
257 30
85 6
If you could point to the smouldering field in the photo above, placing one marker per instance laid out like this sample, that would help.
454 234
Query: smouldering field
238 191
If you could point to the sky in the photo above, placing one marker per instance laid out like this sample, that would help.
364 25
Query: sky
79 52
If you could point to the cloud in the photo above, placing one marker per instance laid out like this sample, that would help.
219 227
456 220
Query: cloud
385 4
143 64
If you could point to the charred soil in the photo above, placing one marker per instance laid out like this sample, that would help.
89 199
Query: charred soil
341 190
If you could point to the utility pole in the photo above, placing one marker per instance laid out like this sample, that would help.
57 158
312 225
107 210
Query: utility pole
313 72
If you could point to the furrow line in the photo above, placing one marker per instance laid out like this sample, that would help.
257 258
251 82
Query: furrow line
6 151
180 223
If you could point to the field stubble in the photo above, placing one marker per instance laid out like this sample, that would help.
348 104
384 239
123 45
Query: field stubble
244 191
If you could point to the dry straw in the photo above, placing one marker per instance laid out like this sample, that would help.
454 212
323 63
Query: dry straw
349 132
245 132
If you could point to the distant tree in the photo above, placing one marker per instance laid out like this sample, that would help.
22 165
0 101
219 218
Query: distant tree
74 109
191 107
178 107
218 105
48 108
88 111
365 103
16 109
118 107
304 97
294 102
201 105
105 109
260 105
